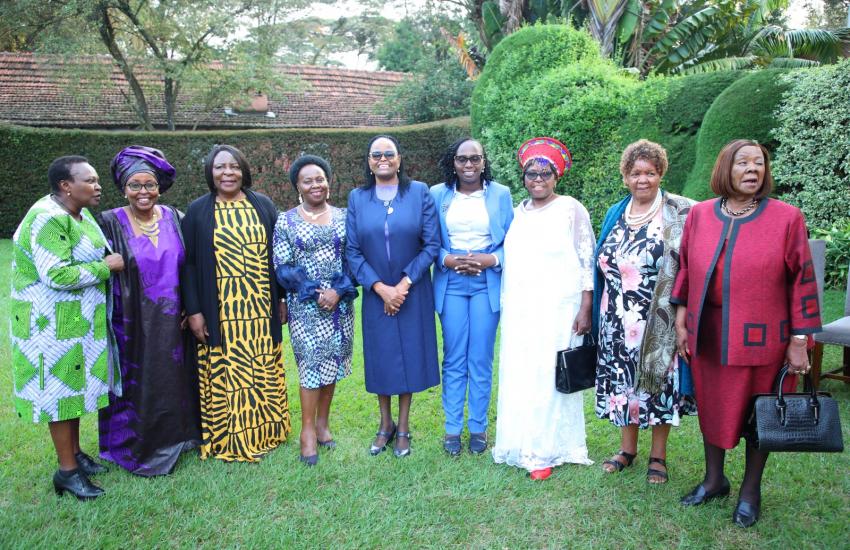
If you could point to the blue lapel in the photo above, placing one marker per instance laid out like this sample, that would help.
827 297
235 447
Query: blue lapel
491 201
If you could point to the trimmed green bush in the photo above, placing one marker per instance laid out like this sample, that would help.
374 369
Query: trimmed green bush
270 153
670 111
516 64
568 93
813 157
744 110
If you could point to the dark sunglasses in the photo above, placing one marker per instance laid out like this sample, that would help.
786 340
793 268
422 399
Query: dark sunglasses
376 155
532 175
474 159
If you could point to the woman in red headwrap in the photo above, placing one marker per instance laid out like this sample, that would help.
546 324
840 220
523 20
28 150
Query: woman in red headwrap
145 429
547 287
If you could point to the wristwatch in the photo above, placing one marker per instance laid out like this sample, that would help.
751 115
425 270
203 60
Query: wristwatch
409 280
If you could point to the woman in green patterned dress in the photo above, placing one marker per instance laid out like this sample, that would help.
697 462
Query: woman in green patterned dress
232 300
62 352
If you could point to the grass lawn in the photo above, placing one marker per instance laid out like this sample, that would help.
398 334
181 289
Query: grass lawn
427 500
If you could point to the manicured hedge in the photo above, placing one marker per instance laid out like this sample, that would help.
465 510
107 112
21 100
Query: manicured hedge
550 80
28 152
670 111
813 157
744 110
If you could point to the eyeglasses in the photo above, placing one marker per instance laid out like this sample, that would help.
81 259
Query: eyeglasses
376 155
149 186
532 175
318 179
474 159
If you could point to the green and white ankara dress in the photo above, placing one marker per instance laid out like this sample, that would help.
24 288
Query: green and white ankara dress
61 344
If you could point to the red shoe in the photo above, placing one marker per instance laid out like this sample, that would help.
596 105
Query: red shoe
540 475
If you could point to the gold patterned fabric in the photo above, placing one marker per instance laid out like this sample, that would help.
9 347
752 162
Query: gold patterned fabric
244 408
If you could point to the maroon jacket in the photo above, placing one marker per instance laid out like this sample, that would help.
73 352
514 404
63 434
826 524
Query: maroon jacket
769 286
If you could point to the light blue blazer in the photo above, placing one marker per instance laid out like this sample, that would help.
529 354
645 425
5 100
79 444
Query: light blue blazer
500 208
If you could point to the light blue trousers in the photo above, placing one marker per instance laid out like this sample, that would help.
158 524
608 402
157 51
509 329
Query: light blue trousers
469 334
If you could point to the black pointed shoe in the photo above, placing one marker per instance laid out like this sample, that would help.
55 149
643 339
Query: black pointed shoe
88 465
700 496
77 483
745 514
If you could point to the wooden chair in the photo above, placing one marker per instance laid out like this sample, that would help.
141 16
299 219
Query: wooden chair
837 332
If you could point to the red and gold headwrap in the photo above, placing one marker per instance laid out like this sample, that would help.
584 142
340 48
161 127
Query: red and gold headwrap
546 148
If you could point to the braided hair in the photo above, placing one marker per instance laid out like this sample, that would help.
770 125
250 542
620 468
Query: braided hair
447 163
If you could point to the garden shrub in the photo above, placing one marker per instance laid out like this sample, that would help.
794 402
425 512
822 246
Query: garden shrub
573 96
518 61
670 111
270 153
744 110
813 157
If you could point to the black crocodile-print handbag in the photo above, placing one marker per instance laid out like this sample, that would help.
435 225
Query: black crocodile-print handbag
806 422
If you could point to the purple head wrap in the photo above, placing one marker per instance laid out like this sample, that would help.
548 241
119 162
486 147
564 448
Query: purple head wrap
138 158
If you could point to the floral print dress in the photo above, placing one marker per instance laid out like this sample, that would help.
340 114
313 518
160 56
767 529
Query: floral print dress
630 260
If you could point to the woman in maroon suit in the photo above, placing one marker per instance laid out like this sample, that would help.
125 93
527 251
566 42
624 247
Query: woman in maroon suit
747 300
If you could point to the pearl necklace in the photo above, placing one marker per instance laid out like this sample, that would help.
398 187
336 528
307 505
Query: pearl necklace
637 220
725 207
314 217
149 229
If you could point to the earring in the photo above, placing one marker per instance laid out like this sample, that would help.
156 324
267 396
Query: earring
69 193
300 200
328 195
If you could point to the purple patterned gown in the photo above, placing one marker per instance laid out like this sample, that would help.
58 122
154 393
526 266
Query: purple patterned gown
156 419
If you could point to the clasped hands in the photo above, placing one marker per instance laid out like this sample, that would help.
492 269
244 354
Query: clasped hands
393 296
471 263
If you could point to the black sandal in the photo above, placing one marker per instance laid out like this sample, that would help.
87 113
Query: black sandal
619 466
375 450
652 472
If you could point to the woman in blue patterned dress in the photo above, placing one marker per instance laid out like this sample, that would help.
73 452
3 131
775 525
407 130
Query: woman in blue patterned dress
309 259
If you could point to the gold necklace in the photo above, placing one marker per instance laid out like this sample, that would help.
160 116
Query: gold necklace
149 229
315 217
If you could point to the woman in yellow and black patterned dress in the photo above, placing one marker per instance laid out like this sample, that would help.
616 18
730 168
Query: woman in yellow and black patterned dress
234 307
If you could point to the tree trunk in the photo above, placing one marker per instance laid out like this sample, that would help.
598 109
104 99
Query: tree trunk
107 36
170 96
512 10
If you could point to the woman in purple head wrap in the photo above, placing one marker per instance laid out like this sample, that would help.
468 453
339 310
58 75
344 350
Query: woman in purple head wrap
156 418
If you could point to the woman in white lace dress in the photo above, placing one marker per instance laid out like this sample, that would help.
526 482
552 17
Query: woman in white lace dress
547 284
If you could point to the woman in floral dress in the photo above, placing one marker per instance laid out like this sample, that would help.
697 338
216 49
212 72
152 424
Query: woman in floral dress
637 384
309 259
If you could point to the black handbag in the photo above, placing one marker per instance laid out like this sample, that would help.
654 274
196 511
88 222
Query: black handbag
576 367
806 422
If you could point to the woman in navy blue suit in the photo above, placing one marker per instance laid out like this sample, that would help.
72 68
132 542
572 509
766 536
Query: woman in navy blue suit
393 239
474 214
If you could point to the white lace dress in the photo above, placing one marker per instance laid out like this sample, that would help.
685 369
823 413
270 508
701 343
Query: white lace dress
548 263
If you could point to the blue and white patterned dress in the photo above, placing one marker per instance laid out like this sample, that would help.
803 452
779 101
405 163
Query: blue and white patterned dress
307 257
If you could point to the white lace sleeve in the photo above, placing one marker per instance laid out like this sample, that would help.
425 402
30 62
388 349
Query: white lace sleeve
584 244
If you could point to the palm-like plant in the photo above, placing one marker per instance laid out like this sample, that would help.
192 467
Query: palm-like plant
682 36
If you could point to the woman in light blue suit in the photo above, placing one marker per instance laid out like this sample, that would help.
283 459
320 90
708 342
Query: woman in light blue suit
474 214
392 241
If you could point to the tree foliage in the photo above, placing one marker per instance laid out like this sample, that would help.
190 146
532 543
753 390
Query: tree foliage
174 39
813 157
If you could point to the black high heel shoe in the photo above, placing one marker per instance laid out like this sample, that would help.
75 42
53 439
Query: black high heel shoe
746 514
374 450
700 496
88 465
401 453
77 483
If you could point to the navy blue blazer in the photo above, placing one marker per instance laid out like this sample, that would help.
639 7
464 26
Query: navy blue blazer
500 208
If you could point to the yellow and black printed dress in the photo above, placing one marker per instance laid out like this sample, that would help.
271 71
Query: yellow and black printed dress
244 409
